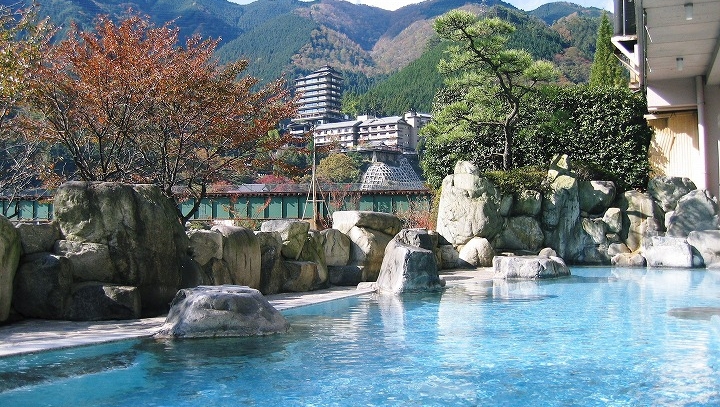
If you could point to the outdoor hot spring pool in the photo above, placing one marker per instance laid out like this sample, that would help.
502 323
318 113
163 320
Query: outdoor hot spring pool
620 337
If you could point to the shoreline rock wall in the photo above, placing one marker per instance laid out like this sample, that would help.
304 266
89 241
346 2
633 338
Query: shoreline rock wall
584 222
117 251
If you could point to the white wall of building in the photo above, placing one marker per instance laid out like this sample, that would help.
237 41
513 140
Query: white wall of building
671 94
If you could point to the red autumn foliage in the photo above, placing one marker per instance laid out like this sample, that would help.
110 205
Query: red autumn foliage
129 105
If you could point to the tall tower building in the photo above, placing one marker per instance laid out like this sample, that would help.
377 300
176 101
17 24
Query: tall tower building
320 99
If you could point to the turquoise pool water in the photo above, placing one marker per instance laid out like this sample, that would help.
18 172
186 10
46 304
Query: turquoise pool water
599 338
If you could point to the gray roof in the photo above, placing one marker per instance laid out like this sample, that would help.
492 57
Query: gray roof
338 125
383 120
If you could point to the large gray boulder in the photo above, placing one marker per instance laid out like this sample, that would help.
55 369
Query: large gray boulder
424 239
696 210
10 249
368 233
146 242
449 256
418 237
596 196
520 233
668 252
642 218
560 215
345 275
206 265
91 262
96 301
592 242
408 268
613 219
529 267
667 191
293 233
38 237
469 207
314 251
301 276
221 311
707 243
241 254
272 272
337 247
205 245
42 286
367 251
527 203
478 252
386 223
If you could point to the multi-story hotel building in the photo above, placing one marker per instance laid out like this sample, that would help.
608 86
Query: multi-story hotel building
401 132
319 99
319 104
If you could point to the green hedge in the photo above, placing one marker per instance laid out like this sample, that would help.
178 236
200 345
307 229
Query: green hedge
601 129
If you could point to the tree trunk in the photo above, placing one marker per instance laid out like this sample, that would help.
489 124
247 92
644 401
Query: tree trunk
507 151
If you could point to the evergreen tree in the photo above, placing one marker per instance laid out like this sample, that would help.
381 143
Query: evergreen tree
606 69
485 81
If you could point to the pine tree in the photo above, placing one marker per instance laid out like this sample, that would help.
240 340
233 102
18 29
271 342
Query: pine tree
606 69
485 81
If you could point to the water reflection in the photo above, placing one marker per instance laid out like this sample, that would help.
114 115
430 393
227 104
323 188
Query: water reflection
596 338
50 367
392 315
697 313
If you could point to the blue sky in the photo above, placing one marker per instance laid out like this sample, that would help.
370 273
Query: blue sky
521 4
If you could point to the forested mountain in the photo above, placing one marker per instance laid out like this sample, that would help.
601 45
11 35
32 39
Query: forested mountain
390 52
551 12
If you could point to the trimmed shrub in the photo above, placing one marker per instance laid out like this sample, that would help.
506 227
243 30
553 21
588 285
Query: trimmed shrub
602 130
520 179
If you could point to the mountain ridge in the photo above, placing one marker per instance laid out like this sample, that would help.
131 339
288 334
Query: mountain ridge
368 44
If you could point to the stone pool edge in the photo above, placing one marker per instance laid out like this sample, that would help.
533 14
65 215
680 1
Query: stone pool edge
33 335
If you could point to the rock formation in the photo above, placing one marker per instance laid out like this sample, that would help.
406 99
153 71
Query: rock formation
369 233
409 264
10 249
583 221
221 311
529 267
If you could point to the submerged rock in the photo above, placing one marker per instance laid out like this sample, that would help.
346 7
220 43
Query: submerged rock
221 311
707 243
628 260
408 268
529 267
668 252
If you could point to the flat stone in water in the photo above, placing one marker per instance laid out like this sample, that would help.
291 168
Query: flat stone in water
697 313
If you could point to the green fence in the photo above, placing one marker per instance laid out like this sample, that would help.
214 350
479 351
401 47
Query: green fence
297 207
261 207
